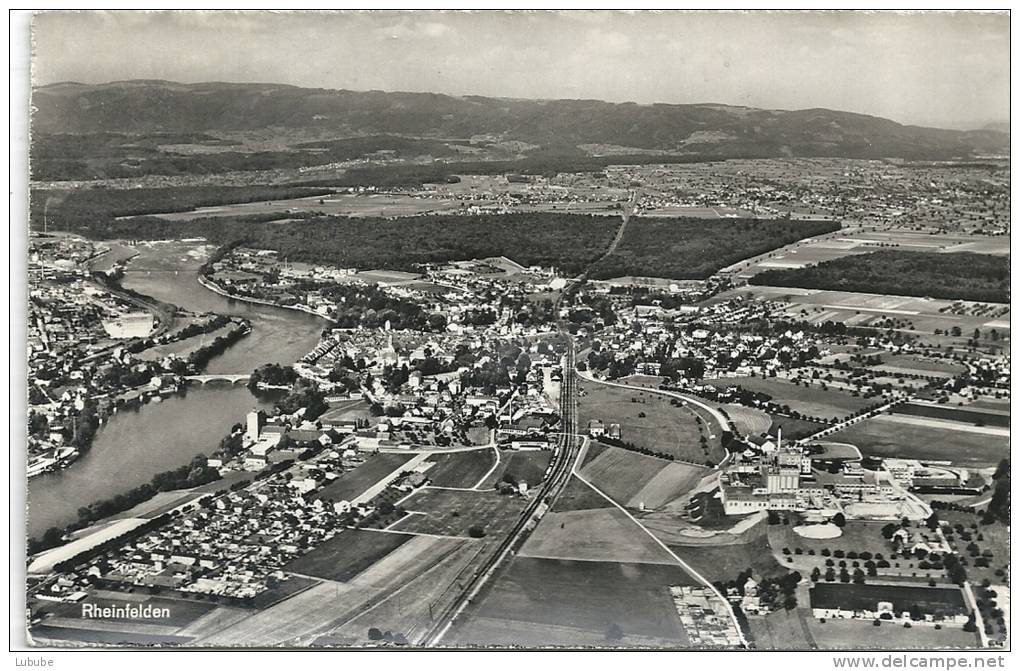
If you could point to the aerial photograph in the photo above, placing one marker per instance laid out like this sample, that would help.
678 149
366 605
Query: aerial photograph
514 330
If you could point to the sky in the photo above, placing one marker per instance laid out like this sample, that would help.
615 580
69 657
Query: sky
935 69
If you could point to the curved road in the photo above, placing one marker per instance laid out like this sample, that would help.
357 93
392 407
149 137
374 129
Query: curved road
718 416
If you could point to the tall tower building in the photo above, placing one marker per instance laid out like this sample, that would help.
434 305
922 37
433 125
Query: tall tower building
256 420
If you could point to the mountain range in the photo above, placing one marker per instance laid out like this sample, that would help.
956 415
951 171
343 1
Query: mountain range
715 130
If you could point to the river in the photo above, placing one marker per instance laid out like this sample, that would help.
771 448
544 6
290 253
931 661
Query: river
135 444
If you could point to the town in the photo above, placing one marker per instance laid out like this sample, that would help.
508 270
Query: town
426 388
522 330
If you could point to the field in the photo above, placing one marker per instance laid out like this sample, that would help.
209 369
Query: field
409 610
346 410
782 630
622 474
460 469
799 254
374 205
793 429
157 505
41 633
697 212
858 536
825 450
356 481
920 315
665 428
551 602
748 421
182 613
604 534
576 495
687 248
326 606
347 554
184 348
915 365
671 482
168 254
883 436
385 277
64 621
991 405
527 466
845 243
448 512
294 584
950 413
863 634
957 276
725 562
811 401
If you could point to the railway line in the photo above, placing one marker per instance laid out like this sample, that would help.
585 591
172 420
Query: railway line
563 463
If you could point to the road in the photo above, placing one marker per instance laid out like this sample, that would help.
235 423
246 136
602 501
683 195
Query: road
684 565
624 220
850 421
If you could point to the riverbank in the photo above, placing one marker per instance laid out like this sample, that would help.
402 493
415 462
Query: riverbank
142 440
164 313
167 383
215 288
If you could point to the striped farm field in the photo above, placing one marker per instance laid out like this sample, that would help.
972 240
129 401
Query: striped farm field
748 421
622 473
673 481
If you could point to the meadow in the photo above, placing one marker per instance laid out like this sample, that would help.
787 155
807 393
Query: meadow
523 466
621 473
448 512
549 602
811 401
375 205
347 554
652 421
881 437
863 634
460 469
605 534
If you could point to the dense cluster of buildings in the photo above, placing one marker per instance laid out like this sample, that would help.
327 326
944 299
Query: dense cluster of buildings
790 476
92 350
879 192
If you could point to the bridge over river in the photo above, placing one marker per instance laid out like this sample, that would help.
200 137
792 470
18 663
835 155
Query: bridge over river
217 377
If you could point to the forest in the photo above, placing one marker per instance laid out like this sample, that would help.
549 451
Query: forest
94 212
690 248
565 241
115 155
956 276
